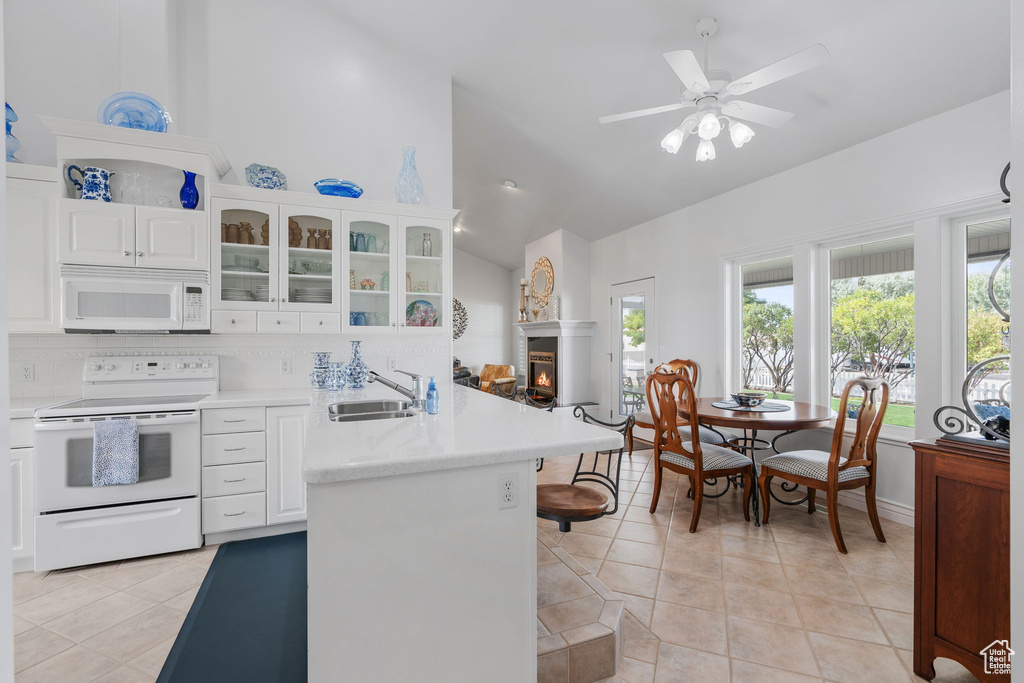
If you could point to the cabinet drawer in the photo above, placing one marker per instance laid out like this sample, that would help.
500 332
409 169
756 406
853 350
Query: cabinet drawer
234 512
226 449
23 433
227 480
227 420
327 323
228 322
270 321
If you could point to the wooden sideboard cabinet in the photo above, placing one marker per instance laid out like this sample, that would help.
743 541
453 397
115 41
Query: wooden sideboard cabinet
962 554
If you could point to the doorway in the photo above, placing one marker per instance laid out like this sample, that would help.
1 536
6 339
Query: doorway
634 341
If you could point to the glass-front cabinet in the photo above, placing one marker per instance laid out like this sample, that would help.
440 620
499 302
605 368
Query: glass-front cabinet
371 282
246 256
311 266
424 302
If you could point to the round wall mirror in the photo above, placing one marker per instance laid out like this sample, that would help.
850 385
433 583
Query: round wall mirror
542 282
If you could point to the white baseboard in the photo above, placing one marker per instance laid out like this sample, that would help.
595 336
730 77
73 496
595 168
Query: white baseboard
253 532
22 564
894 512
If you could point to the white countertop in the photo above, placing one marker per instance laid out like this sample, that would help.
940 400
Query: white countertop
27 407
257 397
472 428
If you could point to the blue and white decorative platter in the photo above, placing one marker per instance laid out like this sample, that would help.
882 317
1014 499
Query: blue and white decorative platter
134 110
338 188
266 177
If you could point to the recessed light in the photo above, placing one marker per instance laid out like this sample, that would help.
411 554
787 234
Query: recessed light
510 184
458 228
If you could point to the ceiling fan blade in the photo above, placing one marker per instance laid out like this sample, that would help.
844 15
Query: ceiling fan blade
756 113
685 64
643 112
816 55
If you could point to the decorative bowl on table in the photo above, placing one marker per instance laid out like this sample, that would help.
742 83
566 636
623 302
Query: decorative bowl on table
265 177
338 188
316 267
133 110
246 261
749 399
421 313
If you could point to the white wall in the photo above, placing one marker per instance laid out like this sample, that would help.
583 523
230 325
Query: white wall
294 85
483 289
570 260
951 157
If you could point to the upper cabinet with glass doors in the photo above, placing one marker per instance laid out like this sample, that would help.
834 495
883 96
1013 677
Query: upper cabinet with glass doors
306 263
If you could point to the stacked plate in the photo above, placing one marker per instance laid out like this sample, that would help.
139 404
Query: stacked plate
262 292
312 295
236 294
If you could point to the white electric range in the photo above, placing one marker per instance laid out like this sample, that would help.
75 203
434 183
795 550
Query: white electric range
77 523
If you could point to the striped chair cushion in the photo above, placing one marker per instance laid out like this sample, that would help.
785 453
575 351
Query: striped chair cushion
715 458
646 419
813 464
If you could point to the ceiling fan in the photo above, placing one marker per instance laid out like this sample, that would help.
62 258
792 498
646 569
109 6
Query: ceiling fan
710 93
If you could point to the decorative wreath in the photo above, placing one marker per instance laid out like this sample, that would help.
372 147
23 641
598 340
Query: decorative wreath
543 265
460 319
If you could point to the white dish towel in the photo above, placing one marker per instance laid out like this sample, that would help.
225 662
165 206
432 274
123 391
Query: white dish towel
115 452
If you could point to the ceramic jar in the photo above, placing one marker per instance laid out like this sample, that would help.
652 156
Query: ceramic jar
356 370
95 182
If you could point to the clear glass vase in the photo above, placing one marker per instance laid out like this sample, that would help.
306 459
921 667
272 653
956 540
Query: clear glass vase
409 187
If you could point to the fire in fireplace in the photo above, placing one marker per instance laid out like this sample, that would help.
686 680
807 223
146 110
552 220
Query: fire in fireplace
542 372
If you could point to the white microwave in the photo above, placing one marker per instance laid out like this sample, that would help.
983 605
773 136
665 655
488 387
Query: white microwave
134 300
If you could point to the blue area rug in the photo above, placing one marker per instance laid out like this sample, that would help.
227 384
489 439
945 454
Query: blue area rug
248 621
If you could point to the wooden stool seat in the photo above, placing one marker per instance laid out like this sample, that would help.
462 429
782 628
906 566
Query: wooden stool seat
569 500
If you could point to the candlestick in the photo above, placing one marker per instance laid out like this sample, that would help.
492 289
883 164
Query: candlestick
522 301
523 281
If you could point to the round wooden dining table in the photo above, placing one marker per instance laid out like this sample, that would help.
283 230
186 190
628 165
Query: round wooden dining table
798 417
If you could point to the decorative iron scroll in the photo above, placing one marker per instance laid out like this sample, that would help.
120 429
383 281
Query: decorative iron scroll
954 420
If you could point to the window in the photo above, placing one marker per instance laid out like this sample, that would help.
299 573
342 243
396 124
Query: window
767 311
987 333
872 321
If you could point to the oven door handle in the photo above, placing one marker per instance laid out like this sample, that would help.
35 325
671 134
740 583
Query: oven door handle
143 423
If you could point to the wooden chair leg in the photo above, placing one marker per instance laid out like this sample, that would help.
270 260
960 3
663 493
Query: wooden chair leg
811 494
762 485
629 438
869 498
748 491
698 499
832 497
657 481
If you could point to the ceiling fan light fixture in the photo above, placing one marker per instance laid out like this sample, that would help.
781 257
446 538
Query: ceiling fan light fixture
740 133
673 141
705 150
709 126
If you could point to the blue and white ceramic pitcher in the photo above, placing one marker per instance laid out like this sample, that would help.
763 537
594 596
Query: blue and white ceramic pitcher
95 182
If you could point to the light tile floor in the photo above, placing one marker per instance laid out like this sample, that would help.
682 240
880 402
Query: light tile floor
743 603
730 602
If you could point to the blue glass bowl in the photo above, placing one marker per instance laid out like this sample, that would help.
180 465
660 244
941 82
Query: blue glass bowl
338 188
133 110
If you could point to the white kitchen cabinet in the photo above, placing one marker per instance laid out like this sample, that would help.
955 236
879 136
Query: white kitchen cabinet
33 305
286 491
109 234
22 488
234 472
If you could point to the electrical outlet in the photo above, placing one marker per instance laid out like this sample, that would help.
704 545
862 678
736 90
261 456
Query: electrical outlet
28 372
508 491
286 366
392 363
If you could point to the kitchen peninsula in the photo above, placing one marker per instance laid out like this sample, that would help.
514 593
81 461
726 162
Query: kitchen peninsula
417 569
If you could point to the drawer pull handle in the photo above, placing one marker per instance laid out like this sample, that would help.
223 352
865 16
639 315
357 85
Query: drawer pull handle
233 421
233 481
234 514
229 450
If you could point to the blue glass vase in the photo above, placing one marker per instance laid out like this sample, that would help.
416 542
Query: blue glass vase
13 143
409 187
189 194
356 370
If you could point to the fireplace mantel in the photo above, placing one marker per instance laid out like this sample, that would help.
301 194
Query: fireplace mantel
559 328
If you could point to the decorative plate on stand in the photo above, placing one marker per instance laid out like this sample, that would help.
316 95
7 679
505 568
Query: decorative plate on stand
134 110
265 177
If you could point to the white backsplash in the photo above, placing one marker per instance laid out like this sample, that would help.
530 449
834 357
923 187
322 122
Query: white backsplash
246 361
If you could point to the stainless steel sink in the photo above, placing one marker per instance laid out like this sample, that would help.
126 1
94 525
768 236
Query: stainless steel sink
362 417
361 407
360 411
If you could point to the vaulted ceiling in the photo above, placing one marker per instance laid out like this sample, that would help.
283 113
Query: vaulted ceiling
531 77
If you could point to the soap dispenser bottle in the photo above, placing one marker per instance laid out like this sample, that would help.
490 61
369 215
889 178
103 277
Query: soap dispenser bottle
432 398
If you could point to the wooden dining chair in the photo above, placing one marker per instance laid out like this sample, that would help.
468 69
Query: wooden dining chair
645 419
831 471
666 393
568 503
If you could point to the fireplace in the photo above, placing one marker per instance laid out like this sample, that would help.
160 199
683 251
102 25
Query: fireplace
541 375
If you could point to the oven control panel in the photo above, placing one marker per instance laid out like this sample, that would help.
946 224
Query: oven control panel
135 368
